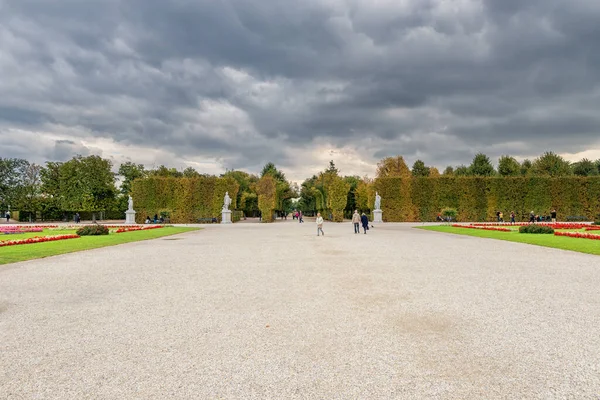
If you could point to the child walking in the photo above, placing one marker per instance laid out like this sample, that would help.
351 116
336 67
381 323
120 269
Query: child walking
320 224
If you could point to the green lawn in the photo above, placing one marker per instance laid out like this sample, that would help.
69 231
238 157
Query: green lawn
558 242
11 254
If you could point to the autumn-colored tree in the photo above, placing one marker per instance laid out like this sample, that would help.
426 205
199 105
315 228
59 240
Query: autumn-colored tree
393 167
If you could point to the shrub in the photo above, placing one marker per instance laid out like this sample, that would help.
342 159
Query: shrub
536 229
92 230
449 212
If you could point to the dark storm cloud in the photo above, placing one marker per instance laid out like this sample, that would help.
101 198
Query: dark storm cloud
245 82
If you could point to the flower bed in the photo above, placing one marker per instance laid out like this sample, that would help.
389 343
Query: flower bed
593 228
17 227
483 228
136 228
37 239
22 230
557 225
579 235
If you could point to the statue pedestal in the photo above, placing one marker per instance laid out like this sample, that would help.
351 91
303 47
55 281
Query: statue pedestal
130 217
226 217
377 216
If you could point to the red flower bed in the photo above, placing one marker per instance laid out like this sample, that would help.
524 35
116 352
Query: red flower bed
483 228
593 228
557 225
137 228
580 235
17 227
22 230
37 239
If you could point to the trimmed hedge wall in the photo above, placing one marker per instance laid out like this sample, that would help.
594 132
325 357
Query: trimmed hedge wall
478 198
266 189
184 200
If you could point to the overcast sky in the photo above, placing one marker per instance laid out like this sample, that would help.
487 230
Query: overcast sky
221 84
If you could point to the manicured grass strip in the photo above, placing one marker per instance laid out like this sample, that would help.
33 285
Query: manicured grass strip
26 252
557 242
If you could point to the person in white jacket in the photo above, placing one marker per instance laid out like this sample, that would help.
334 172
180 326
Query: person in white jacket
356 221
320 224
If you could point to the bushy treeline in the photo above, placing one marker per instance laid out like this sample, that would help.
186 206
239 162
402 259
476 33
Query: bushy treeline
89 186
477 191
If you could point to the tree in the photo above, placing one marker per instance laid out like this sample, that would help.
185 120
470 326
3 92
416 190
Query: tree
585 167
551 164
508 166
87 184
434 172
481 166
270 169
165 172
419 169
12 171
353 182
526 166
337 197
130 172
362 195
393 167
284 190
332 168
266 188
461 170
449 171
32 183
190 172
247 198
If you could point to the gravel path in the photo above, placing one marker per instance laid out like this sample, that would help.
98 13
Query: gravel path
255 311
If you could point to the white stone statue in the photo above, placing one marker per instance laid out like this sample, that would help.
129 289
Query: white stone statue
377 201
226 201
130 214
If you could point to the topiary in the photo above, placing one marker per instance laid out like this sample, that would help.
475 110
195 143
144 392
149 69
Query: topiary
92 230
536 229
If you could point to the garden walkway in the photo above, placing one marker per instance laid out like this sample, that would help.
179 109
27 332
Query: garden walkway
273 311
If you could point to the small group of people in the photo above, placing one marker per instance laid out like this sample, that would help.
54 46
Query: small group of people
533 218
77 218
357 221
299 216
156 219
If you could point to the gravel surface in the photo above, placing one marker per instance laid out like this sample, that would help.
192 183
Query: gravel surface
254 311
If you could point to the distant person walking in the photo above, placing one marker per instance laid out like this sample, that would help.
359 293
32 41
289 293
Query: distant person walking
532 217
501 217
553 215
300 217
8 216
512 217
365 222
320 224
356 221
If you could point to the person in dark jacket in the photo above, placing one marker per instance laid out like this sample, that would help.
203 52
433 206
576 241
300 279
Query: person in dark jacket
365 222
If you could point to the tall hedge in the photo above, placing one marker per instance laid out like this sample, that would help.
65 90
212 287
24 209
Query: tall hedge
266 189
337 198
478 198
185 200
